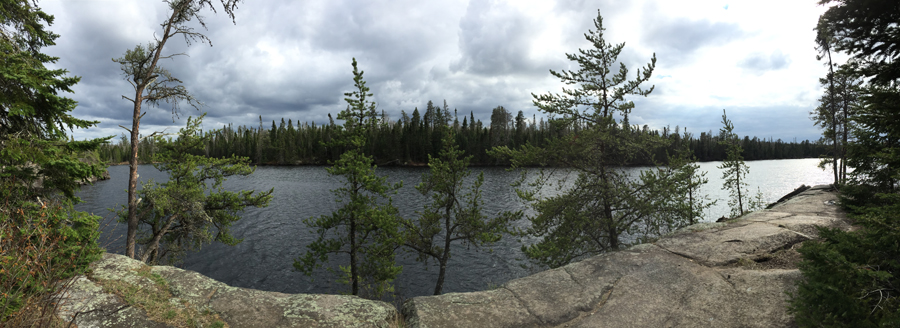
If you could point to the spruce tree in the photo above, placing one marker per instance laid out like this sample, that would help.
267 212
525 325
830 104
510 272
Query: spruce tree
42 238
592 136
455 212
734 169
367 226
191 209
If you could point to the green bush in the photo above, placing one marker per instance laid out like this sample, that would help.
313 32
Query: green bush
40 244
851 277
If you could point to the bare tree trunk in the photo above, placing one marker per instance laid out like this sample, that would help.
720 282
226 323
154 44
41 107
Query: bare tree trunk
442 272
132 177
740 197
846 126
439 286
834 123
140 82
354 270
611 226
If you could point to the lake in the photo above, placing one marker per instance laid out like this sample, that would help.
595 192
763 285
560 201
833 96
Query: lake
274 236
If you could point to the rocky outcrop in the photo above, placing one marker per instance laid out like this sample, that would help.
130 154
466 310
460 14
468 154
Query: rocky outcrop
88 301
732 274
92 179
707 275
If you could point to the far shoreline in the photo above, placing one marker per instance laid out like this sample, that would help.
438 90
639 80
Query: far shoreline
418 164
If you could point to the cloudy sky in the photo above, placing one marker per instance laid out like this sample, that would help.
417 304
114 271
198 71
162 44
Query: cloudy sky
291 59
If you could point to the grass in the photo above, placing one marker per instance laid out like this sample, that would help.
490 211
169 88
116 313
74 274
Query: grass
159 303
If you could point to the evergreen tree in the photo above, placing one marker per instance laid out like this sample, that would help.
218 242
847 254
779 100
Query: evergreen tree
734 169
192 208
829 107
367 226
867 31
155 85
689 181
42 238
850 277
605 201
454 213
834 115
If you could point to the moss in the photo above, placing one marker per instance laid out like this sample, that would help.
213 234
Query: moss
141 288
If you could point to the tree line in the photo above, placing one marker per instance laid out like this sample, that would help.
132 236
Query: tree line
411 139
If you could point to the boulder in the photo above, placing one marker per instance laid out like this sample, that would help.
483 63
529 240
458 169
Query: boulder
87 304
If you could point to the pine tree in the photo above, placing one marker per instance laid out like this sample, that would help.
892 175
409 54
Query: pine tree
734 169
192 208
367 226
454 214
155 85
605 202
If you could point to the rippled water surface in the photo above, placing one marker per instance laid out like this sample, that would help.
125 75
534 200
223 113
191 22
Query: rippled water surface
274 236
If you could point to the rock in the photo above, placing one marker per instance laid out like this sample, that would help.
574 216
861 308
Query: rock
90 306
811 203
790 195
91 180
493 308
727 245
244 307
675 292
87 305
643 287
683 280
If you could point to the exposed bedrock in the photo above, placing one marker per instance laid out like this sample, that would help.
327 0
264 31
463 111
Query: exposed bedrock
706 275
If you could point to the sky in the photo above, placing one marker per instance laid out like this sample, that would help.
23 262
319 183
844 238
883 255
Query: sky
292 59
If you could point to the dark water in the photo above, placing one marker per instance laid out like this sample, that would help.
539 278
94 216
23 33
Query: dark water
275 236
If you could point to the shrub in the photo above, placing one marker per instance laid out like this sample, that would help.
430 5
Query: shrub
40 245
851 277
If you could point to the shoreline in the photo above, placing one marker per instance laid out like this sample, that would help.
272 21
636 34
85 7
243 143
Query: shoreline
418 164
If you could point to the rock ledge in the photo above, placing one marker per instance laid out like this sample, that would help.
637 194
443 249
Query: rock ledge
90 305
705 275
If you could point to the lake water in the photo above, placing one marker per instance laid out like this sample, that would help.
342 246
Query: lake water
274 236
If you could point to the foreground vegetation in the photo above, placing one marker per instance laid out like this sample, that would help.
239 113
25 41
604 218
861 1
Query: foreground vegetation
42 239
851 278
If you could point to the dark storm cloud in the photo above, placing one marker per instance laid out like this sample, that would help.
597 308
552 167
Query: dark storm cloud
759 63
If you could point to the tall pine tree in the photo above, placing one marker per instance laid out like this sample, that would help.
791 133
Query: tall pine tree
367 226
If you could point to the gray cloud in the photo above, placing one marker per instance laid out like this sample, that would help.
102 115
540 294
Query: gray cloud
494 39
676 39
289 59
759 63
